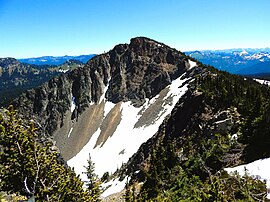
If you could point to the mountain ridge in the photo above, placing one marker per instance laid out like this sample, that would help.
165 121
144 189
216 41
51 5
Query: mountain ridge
239 61
55 60
142 100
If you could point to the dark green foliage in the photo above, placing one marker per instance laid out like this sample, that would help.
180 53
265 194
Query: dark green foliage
31 169
196 178
93 183
190 167
218 187
130 194
105 177
252 101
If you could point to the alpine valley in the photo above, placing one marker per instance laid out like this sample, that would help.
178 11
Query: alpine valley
158 125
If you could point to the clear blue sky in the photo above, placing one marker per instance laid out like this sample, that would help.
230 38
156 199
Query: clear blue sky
31 28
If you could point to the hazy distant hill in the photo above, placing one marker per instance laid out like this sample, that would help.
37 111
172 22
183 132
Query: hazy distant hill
258 68
51 60
16 77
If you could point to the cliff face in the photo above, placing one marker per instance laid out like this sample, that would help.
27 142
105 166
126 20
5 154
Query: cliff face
72 107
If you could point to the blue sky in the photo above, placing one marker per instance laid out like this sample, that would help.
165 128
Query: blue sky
31 28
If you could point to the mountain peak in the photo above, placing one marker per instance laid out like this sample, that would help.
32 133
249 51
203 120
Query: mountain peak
133 86
142 39
143 43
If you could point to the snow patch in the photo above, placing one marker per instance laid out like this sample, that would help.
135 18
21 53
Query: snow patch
234 137
105 88
115 186
243 53
70 131
102 97
258 169
192 64
264 82
73 104
108 107
63 70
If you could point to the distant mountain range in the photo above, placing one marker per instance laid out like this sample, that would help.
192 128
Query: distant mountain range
52 60
236 61
19 75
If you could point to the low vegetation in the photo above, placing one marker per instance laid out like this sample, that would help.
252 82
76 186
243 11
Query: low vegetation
30 168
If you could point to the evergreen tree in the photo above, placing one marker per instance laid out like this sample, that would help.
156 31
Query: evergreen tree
93 183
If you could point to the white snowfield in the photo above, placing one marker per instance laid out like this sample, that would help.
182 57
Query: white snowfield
73 104
259 169
265 82
257 56
115 187
192 64
127 139
63 70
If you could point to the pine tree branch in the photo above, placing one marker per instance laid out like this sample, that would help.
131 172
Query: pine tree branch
38 166
20 150
26 187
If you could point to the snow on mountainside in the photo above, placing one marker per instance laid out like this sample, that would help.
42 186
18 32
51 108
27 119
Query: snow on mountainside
264 82
243 53
123 104
257 56
258 169
112 104
130 134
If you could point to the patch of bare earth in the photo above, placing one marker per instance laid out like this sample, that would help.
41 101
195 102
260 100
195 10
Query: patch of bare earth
109 124
71 142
